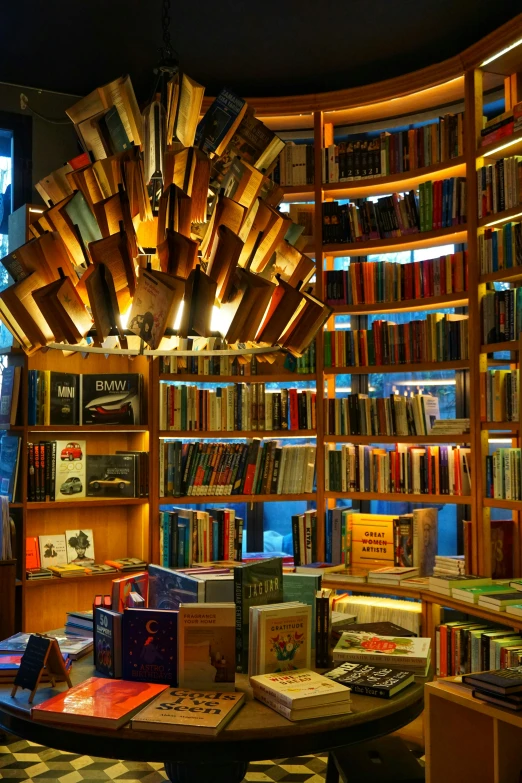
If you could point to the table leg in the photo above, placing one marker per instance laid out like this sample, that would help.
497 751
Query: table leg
234 772
332 773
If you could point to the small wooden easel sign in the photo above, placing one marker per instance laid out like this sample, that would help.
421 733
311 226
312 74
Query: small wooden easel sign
42 652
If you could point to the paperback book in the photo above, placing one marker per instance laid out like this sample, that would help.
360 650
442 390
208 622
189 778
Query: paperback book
150 640
299 689
206 650
280 638
399 652
187 711
371 680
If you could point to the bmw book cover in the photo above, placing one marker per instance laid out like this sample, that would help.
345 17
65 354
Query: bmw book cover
70 469
111 398
111 475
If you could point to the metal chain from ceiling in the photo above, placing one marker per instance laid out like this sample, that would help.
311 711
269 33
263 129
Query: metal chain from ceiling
167 49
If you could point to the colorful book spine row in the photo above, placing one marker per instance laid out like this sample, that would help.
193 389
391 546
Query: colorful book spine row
252 468
188 537
417 470
499 186
386 281
338 536
304 537
437 339
500 248
358 414
237 407
501 315
295 165
499 395
439 204
465 646
503 125
503 479
394 153
228 365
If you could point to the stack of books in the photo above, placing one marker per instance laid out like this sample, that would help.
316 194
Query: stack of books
499 601
403 653
301 694
80 624
449 565
444 583
471 595
391 575
371 680
450 426
10 665
502 687
73 647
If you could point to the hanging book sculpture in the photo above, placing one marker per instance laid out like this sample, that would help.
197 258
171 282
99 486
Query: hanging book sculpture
165 228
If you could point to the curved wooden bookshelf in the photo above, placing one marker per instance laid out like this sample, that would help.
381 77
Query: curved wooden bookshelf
228 435
276 378
514 505
501 618
84 503
500 426
398 497
458 364
56 580
421 439
329 580
459 299
513 273
421 239
85 429
214 499
509 345
293 193
509 145
500 217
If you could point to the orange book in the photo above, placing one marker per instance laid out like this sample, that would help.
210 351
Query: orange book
104 704
32 552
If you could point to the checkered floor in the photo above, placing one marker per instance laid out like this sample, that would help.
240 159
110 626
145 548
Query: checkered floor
24 761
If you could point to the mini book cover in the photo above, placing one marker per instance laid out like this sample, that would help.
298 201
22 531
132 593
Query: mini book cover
108 642
193 712
364 645
53 551
255 584
80 547
98 702
207 646
300 688
111 475
284 639
70 469
111 398
64 402
370 680
150 643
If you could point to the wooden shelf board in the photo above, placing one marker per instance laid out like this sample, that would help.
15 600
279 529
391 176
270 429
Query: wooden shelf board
209 499
423 439
509 145
516 505
328 580
293 193
509 345
85 503
460 500
12 427
460 364
453 235
87 428
513 273
407 305
16 505
479 611
407 180
227 435
290 377
498 218
54 580
500 426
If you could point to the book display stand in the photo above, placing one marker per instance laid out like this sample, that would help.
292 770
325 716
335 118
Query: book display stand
42 653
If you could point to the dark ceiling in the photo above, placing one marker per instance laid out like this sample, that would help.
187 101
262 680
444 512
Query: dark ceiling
264 48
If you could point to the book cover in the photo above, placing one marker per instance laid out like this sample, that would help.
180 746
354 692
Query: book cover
67 570
10 394
425 539
70 469
371 680
284 639
125 585
75 648
108 642
383 628
364 646
97 702
207 646
9 463
111 475
64 402
53 551
504 681
194 712
80 547
32 552
111 398
255 584
302 587
301 688
150 643
372 539
168 588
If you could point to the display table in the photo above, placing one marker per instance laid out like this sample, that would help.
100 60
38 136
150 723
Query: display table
254 734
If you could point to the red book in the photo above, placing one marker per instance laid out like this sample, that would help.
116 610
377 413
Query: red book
134 583
104 704
32 552
80 161
293 406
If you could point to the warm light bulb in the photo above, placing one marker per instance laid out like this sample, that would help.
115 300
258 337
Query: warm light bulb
177 320
125 317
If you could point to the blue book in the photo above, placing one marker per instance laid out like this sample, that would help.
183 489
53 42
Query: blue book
219 120
108 642
150 645
494 250
182 541
9 460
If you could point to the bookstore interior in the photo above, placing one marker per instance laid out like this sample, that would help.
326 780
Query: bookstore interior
261 489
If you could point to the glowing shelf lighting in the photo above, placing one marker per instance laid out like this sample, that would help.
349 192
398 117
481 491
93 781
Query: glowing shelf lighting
499 54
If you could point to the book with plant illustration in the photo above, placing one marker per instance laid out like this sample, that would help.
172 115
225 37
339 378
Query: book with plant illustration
412 653
281 638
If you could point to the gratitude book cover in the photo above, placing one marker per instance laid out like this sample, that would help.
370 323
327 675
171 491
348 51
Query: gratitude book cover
150 643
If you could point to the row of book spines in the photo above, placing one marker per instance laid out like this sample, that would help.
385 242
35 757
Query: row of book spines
225 365
503 474
304 538
295 165
502 315
235 408
213 539
499 390
41 471
500 248
461 650
376 416
499 186
394 153
439 470
236 469
338 536
410 343
383 281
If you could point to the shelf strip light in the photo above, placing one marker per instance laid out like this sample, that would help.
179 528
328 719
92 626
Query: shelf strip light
227 435
516 140
499 54
503 220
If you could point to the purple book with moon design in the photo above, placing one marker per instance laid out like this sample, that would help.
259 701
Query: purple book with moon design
150 644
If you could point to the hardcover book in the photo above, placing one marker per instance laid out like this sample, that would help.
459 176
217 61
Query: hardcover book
255 584
370 680
150 643
80 547
99 703
193 712
396 652
122 587
111 398
53 551
10 393
9 464
207 639
108 642
302 587
299 689
111 476
32 552
169 588
70 469
64 402
281 638
502 681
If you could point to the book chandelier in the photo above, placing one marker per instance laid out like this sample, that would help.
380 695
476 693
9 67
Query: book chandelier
166 228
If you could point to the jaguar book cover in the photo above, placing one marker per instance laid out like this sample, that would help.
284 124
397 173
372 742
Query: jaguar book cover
150 643
111 398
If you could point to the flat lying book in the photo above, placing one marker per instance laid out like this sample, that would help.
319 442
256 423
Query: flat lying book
472 594
502 681
38 573
299 689
371 680
184 711
383 628
410 653
305 713
99 703
500 600
392 574
74 648
511 702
